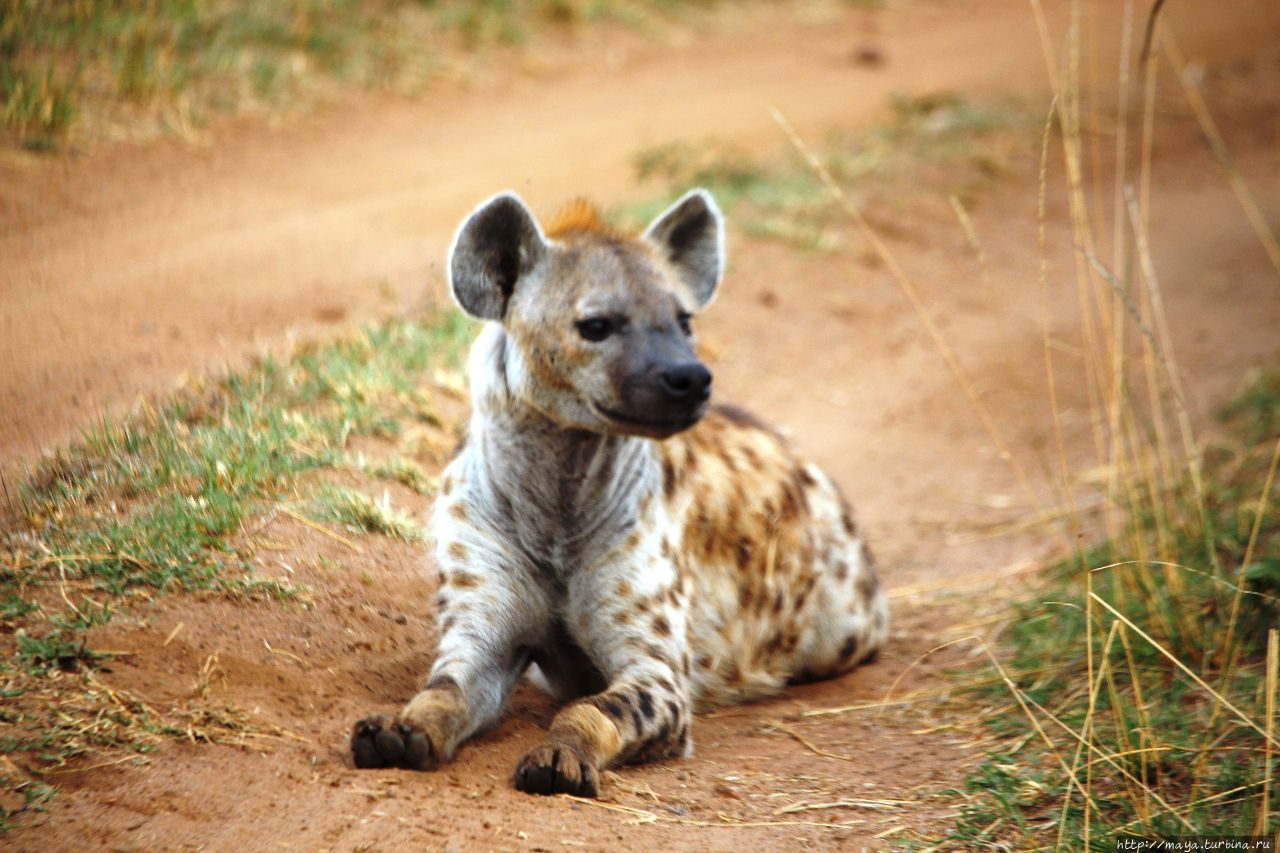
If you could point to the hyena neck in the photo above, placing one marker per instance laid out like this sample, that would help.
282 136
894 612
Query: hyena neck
562 494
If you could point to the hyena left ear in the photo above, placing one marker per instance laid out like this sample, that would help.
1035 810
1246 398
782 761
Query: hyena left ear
496 245
691 235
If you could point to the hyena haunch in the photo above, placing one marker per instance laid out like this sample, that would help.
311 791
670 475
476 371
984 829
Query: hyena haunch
652 555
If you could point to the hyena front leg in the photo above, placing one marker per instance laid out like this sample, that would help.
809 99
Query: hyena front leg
638 642
488 622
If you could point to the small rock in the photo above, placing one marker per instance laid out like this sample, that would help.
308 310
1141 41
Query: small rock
867 56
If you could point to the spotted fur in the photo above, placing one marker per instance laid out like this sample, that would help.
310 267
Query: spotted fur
641 568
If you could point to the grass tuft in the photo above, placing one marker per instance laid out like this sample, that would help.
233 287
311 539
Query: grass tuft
168 502
1144 668
168 65
362 514
940 139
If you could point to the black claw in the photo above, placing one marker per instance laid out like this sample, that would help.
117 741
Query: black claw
417 750
541 780
560 781
364 753
390 747
587 784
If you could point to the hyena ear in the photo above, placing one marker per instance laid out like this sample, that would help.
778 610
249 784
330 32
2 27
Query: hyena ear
496 245
691 235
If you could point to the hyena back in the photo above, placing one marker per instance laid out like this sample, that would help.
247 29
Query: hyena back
650 554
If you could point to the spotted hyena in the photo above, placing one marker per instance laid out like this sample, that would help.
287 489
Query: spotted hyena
649 554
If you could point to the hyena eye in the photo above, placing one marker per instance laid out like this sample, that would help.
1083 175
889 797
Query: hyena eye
596 329
683 319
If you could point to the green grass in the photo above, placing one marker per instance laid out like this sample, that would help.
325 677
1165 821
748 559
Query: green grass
949 144
160 504
362 514
406 472
164 65
1163 736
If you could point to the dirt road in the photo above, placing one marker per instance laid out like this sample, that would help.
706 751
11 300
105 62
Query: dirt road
124 269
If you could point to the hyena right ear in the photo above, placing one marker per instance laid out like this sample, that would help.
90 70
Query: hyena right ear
496 245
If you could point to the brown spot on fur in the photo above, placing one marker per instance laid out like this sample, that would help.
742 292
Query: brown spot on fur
622 617
849 649
867 584
457 550
731 671
842 571
463 580
623 589
645 701
802 596
658 653
662 626
668 478
868 559
789 506
458 511
442 682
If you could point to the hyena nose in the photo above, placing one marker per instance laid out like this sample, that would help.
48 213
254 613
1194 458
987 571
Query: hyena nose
686 383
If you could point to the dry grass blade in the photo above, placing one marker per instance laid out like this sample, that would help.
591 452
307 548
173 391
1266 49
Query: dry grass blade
320 528
1273 676
1252 212
808 744
918 661
917 303
1261 596
1228 645
638 816
871 805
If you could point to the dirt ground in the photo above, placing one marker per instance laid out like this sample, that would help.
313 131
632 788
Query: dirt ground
126 269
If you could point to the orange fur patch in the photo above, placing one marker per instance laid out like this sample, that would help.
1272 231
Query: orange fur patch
577 216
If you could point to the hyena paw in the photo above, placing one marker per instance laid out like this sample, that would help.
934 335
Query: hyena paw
557 769
382 741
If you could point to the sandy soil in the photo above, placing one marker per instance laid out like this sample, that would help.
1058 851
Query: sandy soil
125 268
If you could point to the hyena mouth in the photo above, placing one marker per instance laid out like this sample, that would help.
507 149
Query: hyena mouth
654 426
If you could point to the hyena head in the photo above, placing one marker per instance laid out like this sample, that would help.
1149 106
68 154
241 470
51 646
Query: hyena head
596 322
